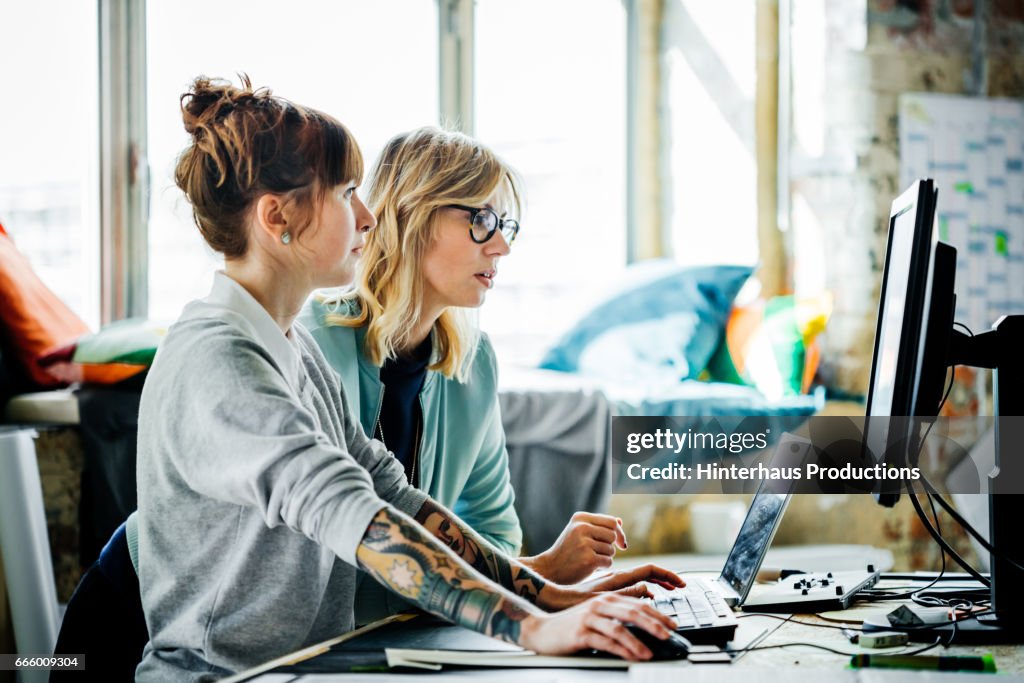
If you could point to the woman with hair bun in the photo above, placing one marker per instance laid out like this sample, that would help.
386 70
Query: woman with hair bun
418 373
259 493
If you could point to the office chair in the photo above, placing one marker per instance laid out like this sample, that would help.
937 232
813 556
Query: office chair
104 619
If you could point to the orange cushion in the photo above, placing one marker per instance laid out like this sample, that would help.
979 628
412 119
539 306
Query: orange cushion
32 317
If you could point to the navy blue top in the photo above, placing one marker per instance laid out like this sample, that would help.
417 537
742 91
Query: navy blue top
400 414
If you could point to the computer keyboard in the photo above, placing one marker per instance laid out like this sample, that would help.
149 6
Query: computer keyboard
700 613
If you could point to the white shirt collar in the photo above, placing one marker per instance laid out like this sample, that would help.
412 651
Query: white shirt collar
227 294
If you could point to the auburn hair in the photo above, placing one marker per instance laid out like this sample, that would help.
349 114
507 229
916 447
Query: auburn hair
248 142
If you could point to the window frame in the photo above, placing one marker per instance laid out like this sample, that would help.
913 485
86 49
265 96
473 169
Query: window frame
124 169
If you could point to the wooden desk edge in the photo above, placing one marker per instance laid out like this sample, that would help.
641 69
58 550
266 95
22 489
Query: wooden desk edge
313 650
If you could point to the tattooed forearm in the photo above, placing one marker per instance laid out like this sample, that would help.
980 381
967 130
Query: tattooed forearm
404 557
446 597
505 624
478 553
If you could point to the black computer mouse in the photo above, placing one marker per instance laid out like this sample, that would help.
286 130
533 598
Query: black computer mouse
674 647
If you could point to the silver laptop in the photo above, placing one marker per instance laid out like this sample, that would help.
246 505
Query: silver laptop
748 552
758 529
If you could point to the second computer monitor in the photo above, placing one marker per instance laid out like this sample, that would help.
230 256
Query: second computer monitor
915 318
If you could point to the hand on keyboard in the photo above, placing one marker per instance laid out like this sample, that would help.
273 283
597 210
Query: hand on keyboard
699 612
631 581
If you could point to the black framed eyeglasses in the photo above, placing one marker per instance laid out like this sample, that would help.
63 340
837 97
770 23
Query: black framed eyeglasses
484 222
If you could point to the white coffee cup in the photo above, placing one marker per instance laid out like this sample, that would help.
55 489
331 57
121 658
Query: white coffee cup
714 526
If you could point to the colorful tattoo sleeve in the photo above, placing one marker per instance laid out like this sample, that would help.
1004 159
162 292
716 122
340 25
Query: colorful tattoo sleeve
403 556
478 553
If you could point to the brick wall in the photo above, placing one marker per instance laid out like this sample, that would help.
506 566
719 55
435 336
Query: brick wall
846 192
658 525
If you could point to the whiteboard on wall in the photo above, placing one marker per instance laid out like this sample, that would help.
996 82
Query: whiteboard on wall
973 148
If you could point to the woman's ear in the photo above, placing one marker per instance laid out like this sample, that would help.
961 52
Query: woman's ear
270 218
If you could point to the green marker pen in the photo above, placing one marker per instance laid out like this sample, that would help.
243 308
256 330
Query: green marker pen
985 663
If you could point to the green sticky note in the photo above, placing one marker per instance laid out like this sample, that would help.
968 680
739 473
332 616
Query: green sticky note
965 187
1002 247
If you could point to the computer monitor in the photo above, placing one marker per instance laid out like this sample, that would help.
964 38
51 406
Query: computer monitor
915 343
912 334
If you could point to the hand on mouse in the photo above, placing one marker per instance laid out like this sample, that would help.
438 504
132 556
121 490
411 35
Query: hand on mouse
598 623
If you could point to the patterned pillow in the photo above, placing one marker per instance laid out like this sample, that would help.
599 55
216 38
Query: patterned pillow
772 345
120 350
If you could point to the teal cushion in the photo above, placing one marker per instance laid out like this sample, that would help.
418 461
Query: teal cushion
665 321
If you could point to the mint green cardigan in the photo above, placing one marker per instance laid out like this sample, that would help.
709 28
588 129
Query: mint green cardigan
463 463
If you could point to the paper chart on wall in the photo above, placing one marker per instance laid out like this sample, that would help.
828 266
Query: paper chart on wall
1011 122
973 148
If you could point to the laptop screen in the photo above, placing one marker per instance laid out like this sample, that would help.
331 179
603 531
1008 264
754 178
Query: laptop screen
754 538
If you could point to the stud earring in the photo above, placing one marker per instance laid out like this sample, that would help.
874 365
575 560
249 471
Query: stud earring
286 237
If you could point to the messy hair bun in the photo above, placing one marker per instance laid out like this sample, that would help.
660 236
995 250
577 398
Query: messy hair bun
246 143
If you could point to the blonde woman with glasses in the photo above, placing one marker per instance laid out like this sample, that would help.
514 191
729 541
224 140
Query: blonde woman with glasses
418 373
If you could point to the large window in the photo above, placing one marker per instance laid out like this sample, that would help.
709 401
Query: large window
551 100
709 79
48 145
371 65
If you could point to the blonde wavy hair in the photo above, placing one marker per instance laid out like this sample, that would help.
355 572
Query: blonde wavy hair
417 174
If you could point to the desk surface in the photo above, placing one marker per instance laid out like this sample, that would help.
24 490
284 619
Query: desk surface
775 664
780 664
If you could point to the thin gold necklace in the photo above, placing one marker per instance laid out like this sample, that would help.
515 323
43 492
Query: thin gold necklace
415 447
